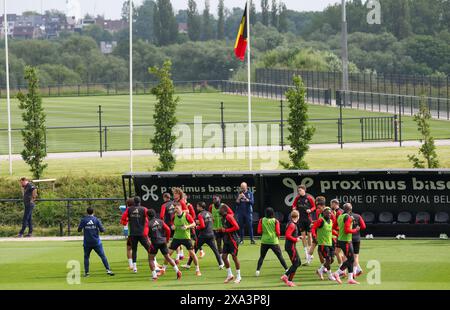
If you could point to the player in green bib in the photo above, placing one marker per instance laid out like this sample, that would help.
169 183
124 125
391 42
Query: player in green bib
345 223
269 229
217 219
323 232
182 224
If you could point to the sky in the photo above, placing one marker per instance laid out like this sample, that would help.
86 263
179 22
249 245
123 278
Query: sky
112 8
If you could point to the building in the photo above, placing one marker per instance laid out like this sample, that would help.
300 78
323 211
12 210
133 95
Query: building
26 32
113 26
107 47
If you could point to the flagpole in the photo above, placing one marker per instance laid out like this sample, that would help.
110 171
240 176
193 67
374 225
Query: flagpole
250 154
8 99
130 9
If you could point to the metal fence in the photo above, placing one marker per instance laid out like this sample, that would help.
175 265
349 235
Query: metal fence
65 212
400 84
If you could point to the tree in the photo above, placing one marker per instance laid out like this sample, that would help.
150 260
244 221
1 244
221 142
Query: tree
300 133
143 20
33 134
165 24
428 148
265 12
164 117
253 16
207 33
193 21
274 14
221 20
282 18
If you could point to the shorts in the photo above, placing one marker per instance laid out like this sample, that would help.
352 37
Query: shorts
176 243
304 225
155 247
356 246
218 234
230 248
326 251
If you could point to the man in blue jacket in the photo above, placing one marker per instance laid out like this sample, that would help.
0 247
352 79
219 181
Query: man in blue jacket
91 226
244 211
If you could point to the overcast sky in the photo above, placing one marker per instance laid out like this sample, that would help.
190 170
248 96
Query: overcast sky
112 8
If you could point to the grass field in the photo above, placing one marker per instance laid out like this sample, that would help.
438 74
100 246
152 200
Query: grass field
405 265
82 111
374 158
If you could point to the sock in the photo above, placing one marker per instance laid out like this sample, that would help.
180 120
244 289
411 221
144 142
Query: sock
181 253
154 261
350 276
238 273
358 268
329 272
175 268
134 266
130 262
321 269
165 267
197 268
229 272
178 256
154 274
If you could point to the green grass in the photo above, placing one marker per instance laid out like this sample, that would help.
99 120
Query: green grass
82 111
42 265
335 159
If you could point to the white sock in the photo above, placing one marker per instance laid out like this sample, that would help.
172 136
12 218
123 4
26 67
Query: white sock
165 267
181 253
134 266
154 274
229 272
178 256
238 273
197 268
175 268
321 269
350 276
358 268
130 262
155 262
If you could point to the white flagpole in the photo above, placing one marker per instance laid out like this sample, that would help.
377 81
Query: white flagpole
8 99
130 9
250 154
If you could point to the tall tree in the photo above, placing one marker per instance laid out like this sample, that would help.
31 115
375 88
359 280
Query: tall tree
193 21
300 132
428 148
164 117
143 20
274 14
265 12
33 115
253 15
397 13
282 19
221 20
165 25
208 31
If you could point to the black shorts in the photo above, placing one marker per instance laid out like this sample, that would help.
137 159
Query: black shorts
230 248
218 234
304 225
184 242
326 251
155 247
346 247
356 246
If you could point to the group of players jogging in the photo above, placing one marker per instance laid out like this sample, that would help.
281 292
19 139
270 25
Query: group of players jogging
335 232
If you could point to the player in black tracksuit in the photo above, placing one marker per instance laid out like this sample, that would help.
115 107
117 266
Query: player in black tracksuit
136 217
159 234
205 233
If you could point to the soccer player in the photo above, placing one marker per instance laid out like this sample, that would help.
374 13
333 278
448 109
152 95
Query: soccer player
167 210
336 211
304 204
192 213
322 231
182 225
269 229
356 240
205 234
320 205
214 209
129 203
290 246
178 195
137 220
159 234
91 226
230 229
345 223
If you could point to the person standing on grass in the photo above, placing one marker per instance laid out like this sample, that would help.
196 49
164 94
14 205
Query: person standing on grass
214 209
91 227
336 211
230 230
29 201
269 228
292 238
356 240
244 211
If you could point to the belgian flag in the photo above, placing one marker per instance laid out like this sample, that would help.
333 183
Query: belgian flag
241 40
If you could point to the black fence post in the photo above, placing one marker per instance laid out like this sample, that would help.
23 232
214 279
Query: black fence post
222 125
400 119
69 206
106 138
100 129
396 128
281 125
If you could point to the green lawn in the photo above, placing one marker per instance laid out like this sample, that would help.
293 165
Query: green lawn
82 111
42 265
336 159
